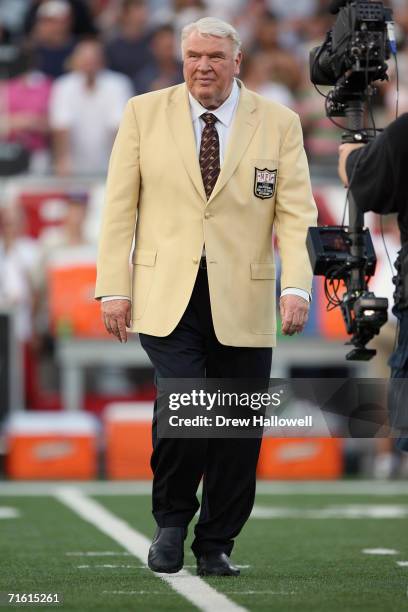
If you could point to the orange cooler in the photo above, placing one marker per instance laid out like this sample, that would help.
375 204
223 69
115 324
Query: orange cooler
71 303
128 438
300 458
50 445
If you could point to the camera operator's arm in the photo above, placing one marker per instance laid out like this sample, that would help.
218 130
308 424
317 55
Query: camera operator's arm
370 174
378 172
345 151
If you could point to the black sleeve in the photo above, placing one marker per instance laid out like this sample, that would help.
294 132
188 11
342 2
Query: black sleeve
83 21
29 17
371 175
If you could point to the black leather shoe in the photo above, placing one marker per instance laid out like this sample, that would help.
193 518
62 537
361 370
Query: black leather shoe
166 554
216 564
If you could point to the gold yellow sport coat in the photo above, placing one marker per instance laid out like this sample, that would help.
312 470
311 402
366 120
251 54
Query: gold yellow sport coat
155 194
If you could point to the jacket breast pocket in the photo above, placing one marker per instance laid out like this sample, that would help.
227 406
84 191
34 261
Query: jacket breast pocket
262 298
144 263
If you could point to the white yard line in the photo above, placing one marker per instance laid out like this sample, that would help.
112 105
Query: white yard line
97 553
143 592
355 487
228 592
379 551
44 488
7 513
333 487
345 511
127 566
192 588
110 566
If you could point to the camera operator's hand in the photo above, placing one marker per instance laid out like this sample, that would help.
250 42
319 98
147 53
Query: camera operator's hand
294 313
344 151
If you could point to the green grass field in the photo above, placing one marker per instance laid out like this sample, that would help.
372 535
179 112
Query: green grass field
300 551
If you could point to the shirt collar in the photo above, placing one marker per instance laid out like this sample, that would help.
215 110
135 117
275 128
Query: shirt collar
224 113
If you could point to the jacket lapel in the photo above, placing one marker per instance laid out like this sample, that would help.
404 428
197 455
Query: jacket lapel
181 126
244 125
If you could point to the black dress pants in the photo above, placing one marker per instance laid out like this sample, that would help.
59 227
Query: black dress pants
227 465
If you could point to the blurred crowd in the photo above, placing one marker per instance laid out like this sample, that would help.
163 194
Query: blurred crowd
67 68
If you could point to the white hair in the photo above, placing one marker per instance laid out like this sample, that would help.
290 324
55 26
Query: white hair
211 26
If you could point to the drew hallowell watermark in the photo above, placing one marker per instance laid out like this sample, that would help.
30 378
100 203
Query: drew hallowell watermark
255 421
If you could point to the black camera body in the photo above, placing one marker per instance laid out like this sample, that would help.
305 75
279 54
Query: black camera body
329 249
352 57
354 53
357 43
329 252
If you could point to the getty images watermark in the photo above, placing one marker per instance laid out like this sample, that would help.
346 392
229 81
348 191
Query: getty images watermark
223 408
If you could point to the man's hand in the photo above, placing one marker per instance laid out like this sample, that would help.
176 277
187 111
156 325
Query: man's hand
294 313
344 151
116 315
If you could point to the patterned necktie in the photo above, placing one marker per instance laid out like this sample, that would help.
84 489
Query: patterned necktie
209 153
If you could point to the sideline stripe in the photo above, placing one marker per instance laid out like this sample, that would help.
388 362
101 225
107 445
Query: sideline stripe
113 565
341 487
345 511
195 590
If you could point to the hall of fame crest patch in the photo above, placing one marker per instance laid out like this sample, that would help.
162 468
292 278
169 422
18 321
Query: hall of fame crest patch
264 183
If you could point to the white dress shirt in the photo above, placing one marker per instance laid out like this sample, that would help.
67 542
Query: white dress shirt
225 115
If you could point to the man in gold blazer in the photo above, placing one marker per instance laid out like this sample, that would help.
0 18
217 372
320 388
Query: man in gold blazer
200 175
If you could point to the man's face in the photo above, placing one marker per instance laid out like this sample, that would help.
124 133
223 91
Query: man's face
209 68
88 58
163 46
